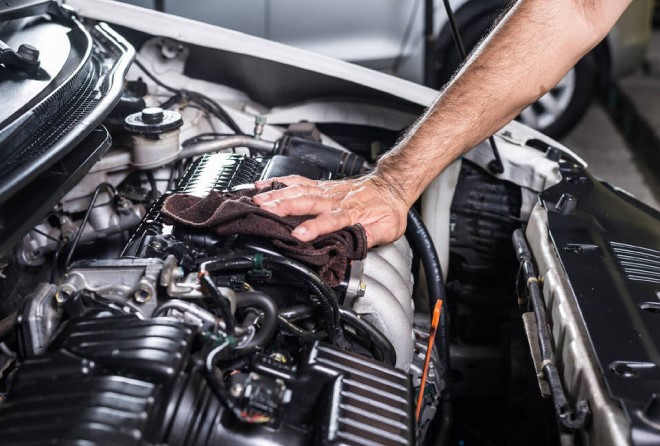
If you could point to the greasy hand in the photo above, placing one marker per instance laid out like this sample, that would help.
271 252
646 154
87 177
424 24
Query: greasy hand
369 201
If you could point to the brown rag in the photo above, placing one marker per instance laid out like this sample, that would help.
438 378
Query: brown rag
235 213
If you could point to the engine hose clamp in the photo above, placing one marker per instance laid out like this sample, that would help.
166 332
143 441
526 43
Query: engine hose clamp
258 270
531 280
258 261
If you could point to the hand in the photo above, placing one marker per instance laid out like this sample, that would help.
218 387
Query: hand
369 201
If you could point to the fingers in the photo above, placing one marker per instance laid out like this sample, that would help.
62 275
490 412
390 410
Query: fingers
289 180
325 223
296 190
308 204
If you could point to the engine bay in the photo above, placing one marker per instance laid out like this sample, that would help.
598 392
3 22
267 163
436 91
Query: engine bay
144 300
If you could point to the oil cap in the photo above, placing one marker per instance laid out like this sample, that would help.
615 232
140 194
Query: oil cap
153 120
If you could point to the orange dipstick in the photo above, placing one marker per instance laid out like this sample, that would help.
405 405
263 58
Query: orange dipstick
435 320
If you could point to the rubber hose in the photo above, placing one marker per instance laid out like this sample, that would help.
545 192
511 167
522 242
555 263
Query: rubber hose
301 332
330 307
382 344
269 324
209 287
7 325
420 238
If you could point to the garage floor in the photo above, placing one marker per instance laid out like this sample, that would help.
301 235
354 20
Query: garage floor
627 156
600 144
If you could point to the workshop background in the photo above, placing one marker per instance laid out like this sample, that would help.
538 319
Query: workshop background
617 133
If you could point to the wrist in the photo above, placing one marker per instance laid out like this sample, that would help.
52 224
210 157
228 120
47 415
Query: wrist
395 181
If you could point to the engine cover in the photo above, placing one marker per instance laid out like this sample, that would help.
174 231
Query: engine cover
124 381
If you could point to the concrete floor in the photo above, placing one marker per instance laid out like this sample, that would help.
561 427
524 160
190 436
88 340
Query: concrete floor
599 143
608 153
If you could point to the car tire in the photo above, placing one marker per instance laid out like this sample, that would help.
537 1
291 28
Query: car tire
554 123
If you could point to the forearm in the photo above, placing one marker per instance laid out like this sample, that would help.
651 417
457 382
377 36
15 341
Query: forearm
530 50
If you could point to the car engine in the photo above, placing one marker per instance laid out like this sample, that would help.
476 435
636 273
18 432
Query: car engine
144 301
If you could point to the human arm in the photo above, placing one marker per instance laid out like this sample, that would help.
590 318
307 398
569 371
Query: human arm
529 51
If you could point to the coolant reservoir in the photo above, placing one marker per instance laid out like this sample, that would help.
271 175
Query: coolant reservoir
155 136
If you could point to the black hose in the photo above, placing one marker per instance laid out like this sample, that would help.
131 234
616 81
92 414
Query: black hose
7 325
152 184
214 379
297 312
307 335
265 304
385 351
209 289
327 298
568 417
420 239
536 298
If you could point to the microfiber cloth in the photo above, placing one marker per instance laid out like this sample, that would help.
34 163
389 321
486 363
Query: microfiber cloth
233 213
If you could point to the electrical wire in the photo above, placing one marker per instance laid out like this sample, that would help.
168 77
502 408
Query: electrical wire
200 99
49 237
111 189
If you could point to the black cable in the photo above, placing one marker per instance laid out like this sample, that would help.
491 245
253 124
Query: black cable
49 237
209 289
495 166
152 184
569 418
307 335
154 78
110 188
214 379
204 101
214 107
171 180
325 294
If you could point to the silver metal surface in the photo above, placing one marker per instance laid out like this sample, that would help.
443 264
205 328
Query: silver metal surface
42 317
229 142
387 300
574 356
126 281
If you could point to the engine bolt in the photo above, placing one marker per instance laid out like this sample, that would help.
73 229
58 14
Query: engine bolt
156 245
142 295
236 390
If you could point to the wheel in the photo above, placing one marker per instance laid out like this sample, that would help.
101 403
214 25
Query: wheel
560 109
555 113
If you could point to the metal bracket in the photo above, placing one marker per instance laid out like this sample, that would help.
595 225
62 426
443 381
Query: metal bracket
26 58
